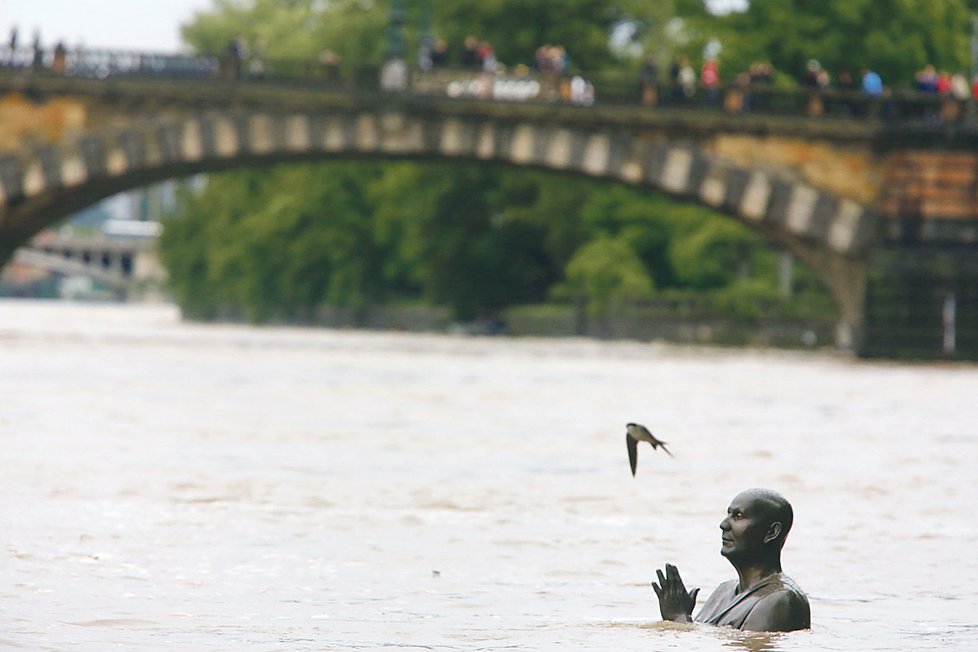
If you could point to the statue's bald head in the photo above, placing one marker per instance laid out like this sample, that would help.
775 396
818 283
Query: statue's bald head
771 507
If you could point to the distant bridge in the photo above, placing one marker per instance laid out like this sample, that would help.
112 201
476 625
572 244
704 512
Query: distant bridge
879 199
127 265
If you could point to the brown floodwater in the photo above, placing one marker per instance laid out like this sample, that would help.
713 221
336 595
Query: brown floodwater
199 487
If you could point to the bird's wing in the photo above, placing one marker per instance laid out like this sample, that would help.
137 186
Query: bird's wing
632 451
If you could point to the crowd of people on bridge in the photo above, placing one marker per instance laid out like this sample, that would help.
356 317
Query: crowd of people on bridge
928 80
852 91
550 67
479 55
37 56
682 81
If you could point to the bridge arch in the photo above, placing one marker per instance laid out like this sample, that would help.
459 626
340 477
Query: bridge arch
830 233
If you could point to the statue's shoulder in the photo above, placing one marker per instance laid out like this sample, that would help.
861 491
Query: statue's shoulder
791 588
782 607
786 592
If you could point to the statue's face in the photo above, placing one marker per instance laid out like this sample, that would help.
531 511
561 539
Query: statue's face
744 528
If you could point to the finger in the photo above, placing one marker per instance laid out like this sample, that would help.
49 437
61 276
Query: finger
658 591
678 578
662 578
673 574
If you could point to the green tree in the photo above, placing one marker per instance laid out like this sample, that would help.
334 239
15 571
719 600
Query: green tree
356 29
894 37
296 30
451 235
516 28
250 245
637 219
714 255
605 270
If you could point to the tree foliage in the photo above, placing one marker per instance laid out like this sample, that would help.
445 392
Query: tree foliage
297 29
516 28
608 269
277 244
452 237
894 37
356 29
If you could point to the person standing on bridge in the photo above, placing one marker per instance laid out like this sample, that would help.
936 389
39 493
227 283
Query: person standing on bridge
38 60
470 53
236 54
687 79
60 54
872 83
12 55
650 81
710 78
256 62
872 89
487 57
439 53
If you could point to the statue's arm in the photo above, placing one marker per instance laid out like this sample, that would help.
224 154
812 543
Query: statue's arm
784 611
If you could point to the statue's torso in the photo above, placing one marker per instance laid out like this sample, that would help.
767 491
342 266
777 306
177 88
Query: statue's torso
726 607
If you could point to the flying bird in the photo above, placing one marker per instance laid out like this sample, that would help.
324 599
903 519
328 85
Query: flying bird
636 432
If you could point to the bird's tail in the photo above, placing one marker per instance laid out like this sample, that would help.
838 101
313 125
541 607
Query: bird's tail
663 444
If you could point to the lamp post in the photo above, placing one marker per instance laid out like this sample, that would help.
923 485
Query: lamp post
427 38
974 47
394 73
395 31
970 109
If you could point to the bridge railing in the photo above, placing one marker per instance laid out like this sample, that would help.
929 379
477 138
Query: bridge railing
101 64
899 105
603 88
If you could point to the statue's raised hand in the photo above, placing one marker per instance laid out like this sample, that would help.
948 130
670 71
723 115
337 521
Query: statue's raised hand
674 602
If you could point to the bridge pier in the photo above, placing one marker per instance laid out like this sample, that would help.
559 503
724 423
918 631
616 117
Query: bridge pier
846 280
922 302
8 245
903 301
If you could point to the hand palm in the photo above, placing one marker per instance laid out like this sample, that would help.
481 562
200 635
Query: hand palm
675 603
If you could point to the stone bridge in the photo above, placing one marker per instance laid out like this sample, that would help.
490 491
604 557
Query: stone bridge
884 211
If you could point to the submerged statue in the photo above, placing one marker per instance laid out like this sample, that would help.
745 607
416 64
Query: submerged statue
763 598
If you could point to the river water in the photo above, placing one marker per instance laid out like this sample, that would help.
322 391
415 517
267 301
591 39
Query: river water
199 487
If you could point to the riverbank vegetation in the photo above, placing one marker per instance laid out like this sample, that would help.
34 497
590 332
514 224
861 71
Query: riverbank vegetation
279 244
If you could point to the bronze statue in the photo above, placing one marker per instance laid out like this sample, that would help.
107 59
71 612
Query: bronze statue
763 598
636 432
